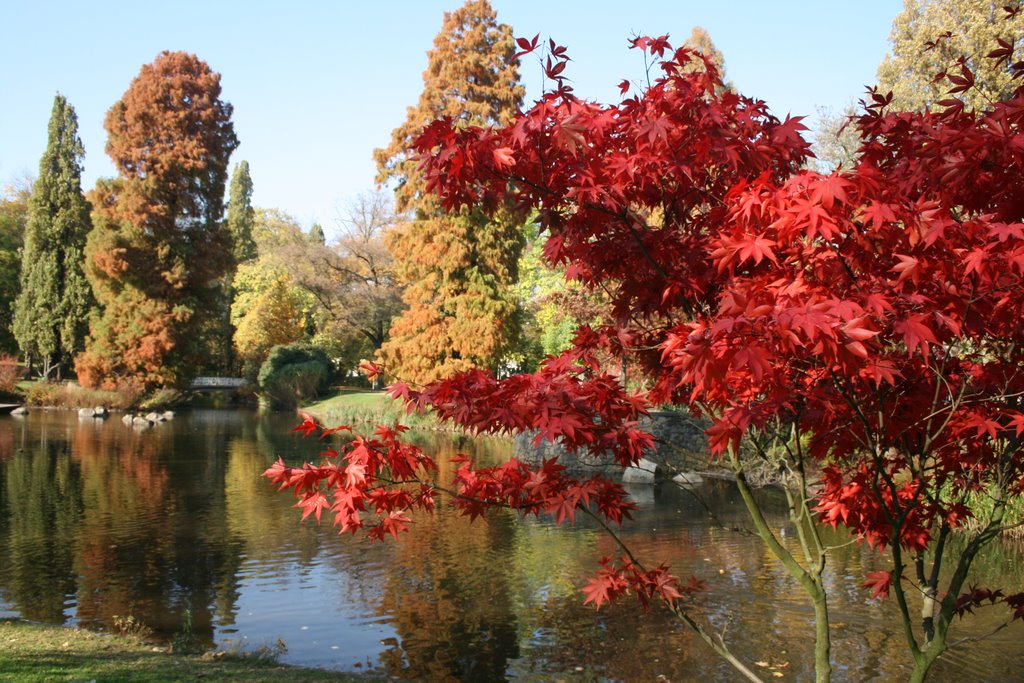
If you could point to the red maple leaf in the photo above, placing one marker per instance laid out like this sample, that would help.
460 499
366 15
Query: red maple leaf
308 425
880 581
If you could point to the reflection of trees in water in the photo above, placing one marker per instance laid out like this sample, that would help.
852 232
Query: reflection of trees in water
7 437
128 522
40 505
128 540
447 591
160 521
260 524
255 514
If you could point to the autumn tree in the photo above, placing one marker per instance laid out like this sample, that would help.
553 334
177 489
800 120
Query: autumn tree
51 313
836 138
700 41
553 307
268 306
158 246
275 318
459 265
13 219
859 330
930 41
353 279
933 37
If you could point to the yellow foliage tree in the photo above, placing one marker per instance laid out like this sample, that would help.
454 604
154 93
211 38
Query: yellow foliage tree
274 319
929 36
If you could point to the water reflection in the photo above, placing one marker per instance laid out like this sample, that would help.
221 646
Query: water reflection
98 520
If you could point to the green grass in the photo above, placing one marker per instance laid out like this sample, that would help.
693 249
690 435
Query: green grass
30 652
360 406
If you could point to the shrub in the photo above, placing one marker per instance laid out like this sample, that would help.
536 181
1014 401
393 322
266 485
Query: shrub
10 374
68 395
45 394
293 372
161 398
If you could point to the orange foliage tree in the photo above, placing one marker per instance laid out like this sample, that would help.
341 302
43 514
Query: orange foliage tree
158 245
460 266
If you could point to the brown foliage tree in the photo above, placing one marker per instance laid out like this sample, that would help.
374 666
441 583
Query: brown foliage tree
158 245
460 267
353 278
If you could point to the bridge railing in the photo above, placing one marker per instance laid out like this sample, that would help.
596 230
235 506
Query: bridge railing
219 382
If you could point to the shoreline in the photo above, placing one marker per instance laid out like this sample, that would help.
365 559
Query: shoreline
48 652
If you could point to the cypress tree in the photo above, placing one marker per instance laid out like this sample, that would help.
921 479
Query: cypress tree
51 313
241 215
316 234
460 268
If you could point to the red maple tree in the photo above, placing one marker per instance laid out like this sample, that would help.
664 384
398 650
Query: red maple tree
861 330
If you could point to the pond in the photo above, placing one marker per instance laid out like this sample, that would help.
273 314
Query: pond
99 521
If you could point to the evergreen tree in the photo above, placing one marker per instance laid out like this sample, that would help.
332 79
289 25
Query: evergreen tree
956 28
51 313
159 246
316 234
13 219
460 268
240 218
241 215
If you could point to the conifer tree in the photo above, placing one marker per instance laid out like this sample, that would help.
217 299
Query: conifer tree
700 40
460 268
13 219
241 215
51 313
316 234
159 246
240 219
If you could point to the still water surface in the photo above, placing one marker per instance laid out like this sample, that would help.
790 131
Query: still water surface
100 521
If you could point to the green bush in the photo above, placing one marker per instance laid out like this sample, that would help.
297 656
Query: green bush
162 398
294 372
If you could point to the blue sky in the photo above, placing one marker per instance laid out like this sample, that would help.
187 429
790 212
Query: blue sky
316 86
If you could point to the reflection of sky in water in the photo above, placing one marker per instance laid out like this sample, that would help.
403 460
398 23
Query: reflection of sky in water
310 610
96 519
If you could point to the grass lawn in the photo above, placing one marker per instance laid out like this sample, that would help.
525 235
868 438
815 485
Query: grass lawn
361 406
30 652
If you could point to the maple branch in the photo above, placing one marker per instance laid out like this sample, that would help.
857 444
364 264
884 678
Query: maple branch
856 540
811 582
869 442
757 515
846 266
901 598
805 499
798 511
974 639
